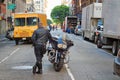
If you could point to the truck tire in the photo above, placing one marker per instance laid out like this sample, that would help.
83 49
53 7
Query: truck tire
115 48
16 42
99 43
95 39
83 35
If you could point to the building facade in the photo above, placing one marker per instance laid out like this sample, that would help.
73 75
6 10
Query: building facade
20 6
75 9
2 18
40 6
84 3
77 5
66 2
30 6
6 13
36 6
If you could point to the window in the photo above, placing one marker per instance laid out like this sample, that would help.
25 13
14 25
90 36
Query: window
37 2
32 21
19 21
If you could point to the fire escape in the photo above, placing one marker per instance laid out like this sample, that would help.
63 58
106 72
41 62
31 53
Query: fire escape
76 8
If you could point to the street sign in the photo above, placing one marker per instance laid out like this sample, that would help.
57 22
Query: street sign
11 6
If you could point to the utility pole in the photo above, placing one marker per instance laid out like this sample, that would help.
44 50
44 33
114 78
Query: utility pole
13 2
9 14
6 15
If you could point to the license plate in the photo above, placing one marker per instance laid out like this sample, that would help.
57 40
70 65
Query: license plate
23 38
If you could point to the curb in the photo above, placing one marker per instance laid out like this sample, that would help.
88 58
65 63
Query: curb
2 39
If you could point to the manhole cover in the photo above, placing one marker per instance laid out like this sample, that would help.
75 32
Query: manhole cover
22 67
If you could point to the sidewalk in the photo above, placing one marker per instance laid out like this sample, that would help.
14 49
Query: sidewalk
2 37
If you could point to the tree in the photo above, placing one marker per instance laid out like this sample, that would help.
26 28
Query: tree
59 13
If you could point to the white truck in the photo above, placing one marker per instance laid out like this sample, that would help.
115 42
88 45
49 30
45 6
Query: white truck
70 21
111 19
91 19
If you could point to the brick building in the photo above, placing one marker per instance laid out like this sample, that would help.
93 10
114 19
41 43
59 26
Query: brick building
2 17
5 13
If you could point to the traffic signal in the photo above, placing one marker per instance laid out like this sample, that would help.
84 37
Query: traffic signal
9 19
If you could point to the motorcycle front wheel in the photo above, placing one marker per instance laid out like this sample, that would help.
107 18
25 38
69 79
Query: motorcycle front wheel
58 66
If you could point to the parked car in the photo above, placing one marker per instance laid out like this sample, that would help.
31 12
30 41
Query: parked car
78 30
117 64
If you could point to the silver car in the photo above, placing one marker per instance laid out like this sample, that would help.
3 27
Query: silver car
78 30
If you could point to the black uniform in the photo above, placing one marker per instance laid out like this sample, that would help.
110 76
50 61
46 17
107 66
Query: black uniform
40 38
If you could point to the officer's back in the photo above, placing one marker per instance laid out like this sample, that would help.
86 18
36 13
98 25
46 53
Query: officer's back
41 35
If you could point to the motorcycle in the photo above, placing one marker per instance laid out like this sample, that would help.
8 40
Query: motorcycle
58 53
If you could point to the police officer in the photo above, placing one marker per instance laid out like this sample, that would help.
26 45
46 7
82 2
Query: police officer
40 38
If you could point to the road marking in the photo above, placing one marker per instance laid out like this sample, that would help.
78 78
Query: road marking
69 72
9 55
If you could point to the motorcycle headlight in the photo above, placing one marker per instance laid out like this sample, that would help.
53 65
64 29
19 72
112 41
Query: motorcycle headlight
60 45
64 46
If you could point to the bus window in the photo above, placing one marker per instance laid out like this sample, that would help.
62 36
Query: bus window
19 21
31 21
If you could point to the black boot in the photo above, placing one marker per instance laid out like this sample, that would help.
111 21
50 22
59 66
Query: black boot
39 65
39 71
34 69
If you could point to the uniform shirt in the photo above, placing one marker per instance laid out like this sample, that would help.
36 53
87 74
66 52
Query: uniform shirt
41 35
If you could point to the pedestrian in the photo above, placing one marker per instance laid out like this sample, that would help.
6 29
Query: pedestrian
49 27
39 39
53 27
56 27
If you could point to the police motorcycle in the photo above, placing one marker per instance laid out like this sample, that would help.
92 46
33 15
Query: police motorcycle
58 53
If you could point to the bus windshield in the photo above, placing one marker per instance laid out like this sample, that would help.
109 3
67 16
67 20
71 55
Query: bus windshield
31 21
19 21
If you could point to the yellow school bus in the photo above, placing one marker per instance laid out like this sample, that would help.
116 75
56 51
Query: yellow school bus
25 24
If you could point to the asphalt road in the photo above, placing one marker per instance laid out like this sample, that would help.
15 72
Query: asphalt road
87 62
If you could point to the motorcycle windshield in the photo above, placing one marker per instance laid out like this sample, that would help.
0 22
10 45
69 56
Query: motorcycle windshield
60 41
